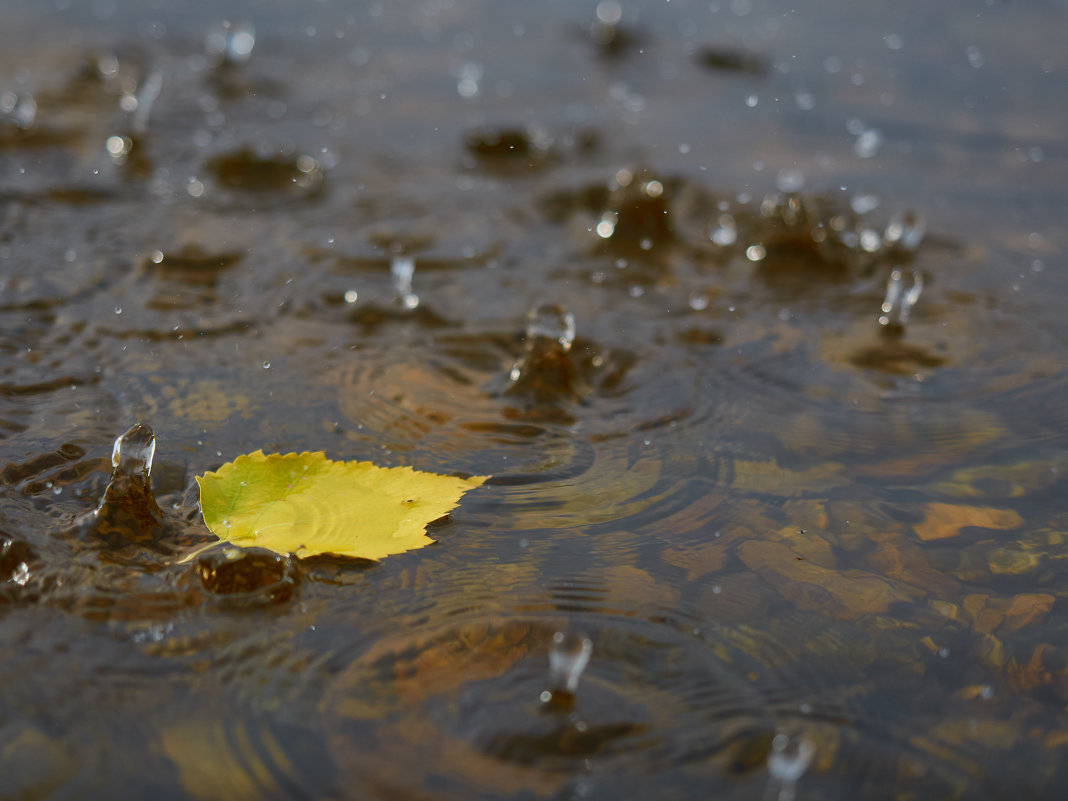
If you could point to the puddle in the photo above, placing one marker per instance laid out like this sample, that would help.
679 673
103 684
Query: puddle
753 317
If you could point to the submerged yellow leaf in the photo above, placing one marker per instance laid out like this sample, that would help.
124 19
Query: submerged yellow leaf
308 504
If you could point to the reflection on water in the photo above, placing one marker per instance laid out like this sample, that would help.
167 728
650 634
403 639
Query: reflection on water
752 313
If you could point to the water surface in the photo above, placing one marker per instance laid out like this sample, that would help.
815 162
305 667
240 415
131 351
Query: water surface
753 312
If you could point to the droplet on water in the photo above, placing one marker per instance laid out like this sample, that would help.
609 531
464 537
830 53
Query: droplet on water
402 270
551 322
867 143
864 202
788 760
133 452
726 231
905 232
898 302
230 43
569 654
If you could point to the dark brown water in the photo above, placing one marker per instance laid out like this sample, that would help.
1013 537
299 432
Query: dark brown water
634 270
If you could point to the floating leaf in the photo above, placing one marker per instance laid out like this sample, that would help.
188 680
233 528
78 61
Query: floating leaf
308 504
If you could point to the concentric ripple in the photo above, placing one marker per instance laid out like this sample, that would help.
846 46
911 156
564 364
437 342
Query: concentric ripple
548 453
708 712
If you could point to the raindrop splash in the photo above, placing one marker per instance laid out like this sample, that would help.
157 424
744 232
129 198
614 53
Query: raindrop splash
402 269
133 452
905 232
545 373
788 760
550 321
898 303
144 101
569 654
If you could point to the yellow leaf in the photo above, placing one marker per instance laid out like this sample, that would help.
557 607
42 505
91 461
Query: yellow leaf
308 504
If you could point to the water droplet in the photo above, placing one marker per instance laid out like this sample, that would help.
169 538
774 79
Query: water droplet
863 202
402 270
898 302
133 452
870 241
607 225
351 296
726 231
756 253
609 12
118 146
569 654
867 143
551 322
698 301
905 232
266 365
788 760
118 310
468 83
230 43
